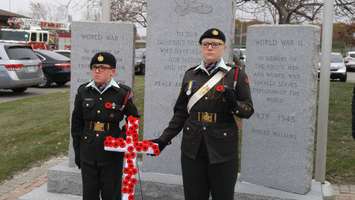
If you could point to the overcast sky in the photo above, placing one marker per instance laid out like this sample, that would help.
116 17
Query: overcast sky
22 6
16 5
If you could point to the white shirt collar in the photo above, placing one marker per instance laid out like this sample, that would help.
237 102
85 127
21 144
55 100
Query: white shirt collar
112 83
220 64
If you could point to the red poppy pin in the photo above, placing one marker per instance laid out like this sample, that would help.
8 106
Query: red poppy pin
108 105
220 88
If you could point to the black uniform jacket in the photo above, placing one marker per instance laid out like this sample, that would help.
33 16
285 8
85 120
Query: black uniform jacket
90 107
221 137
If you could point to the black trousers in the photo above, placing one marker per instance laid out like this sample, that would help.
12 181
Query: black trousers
200 178
101 181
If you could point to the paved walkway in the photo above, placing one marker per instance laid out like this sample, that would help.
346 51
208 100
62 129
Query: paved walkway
344 192
26 181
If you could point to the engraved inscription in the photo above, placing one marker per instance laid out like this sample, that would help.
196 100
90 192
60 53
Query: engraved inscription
185 7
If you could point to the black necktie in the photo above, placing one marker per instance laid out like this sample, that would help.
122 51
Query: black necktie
210 67
102 87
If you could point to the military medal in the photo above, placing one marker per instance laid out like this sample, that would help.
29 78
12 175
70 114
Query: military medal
189 88
113 105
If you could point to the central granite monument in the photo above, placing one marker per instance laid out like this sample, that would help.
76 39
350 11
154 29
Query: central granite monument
174 28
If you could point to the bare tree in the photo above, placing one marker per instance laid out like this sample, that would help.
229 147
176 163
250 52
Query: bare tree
121 10
129 10
93 10
49 11
295 11
39 11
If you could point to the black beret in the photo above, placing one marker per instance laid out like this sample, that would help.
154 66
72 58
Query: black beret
103 58
213 33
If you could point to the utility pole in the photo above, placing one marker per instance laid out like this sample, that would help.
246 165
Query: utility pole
87 10
323 105
241 34
67 10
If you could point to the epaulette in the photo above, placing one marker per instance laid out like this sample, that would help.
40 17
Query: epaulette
125 87
83 86
192 68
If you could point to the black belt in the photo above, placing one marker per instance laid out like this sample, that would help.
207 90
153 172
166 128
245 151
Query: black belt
208 117
98 126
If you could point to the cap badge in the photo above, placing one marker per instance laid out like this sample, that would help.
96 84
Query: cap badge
100 58
215 32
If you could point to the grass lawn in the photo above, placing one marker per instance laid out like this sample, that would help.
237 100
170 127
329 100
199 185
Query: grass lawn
37 128
341 146
32 129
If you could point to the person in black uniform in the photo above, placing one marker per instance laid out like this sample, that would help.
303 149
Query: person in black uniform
100 105
210 135
353 114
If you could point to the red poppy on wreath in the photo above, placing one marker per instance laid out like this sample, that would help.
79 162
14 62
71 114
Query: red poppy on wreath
108 105
220 88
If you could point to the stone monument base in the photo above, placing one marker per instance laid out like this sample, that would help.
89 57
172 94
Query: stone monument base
64 183
64 179
248 191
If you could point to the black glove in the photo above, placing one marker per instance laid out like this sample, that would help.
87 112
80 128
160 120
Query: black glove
77 159
160 143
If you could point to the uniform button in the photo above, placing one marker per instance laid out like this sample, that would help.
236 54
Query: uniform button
97 135
187 128
237 111
98 111
225 134
85 137
100 99
204 128
206 98
87 105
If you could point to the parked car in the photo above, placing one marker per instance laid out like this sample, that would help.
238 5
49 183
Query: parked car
20 68
337 67
65 53
139 61
350 61
56 68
